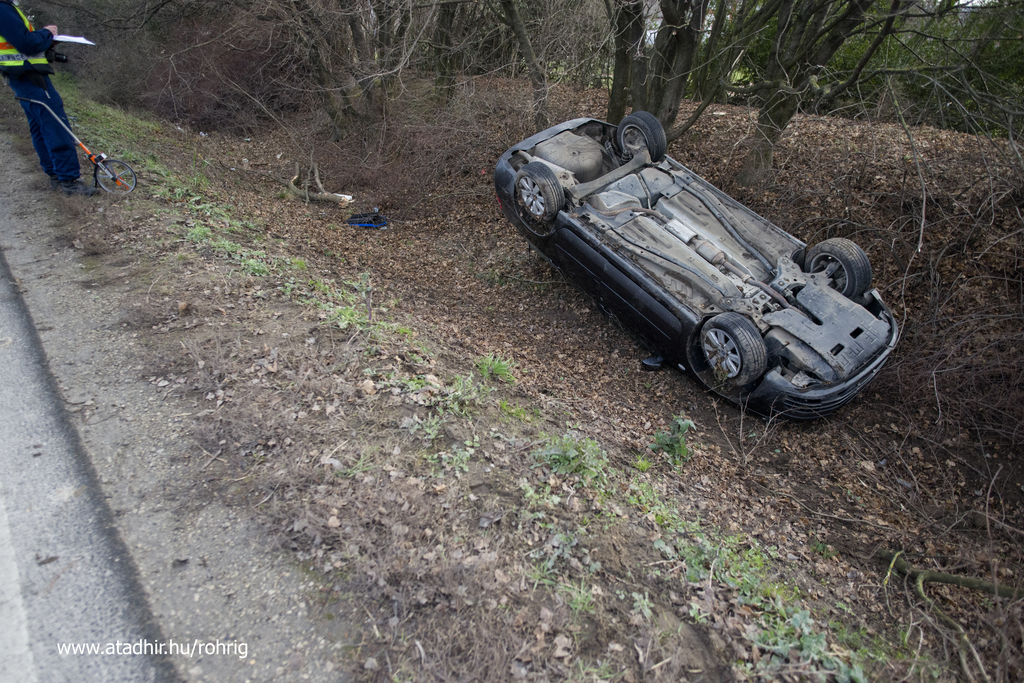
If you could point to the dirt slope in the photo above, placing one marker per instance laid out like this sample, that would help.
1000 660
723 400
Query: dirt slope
466 528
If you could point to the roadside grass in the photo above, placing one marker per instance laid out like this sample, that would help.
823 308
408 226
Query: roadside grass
498 367
131 137
733 572
741 567
103 128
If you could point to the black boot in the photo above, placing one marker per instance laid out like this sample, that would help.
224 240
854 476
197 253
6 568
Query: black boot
70 187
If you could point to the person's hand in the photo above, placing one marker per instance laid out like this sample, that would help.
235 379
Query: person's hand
52 29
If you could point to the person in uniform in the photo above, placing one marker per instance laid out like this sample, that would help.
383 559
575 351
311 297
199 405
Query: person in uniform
24 65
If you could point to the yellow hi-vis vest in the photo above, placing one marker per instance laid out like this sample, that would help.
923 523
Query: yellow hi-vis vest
9 55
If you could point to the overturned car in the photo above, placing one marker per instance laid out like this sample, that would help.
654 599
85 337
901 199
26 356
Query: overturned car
704 282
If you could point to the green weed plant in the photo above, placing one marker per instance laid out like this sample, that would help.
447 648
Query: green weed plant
672 443
497 367
573 454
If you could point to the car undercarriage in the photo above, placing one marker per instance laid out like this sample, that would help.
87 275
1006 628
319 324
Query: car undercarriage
706 283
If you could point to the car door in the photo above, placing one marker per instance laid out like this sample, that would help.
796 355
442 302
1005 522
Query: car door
618 292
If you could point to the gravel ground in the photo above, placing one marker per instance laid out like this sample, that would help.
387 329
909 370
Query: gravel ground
205 564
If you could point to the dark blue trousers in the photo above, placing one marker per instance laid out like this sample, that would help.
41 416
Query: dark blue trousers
56 148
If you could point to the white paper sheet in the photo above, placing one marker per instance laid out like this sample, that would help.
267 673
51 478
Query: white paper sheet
72 39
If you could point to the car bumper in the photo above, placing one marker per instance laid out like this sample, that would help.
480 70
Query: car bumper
776 395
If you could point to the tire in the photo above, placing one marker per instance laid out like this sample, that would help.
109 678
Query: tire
638 131
734 349
538 194
115 176
846 263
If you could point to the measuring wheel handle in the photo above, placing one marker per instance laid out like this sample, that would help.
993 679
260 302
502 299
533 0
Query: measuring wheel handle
111 175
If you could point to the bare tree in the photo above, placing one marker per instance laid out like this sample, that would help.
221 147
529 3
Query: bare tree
809 33
534 66
655 76
627 21
675 49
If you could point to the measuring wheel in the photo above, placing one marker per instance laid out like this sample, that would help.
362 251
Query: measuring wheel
114 176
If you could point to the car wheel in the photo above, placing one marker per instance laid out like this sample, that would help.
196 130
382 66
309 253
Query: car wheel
539 195
641 130
734 349
844 262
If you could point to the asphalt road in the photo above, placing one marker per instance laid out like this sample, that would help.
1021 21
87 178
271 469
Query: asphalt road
66 579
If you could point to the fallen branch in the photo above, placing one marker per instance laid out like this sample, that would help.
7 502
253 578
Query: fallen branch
301 193
900 565
919 577
321 196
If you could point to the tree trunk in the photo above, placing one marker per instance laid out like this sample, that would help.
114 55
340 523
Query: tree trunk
772 120
639 88
364 68
538 77
674 50
626 17
442 49
336 110
703 87
361 45
323 51
809 33
395 17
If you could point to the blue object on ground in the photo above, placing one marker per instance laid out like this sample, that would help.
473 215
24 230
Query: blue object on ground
368 220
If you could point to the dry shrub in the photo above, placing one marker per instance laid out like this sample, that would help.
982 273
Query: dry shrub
429 138
441 138
237 81
116 72
961 360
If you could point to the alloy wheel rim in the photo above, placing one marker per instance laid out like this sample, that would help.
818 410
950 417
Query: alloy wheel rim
722 352
532 197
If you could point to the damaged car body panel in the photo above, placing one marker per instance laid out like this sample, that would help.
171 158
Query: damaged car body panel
704 282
